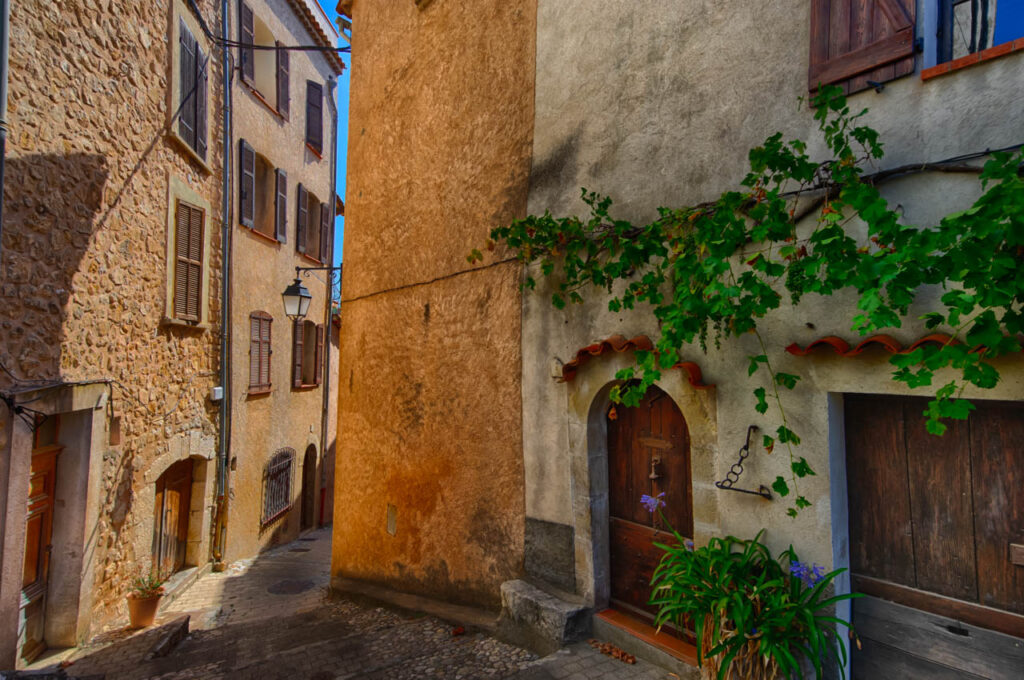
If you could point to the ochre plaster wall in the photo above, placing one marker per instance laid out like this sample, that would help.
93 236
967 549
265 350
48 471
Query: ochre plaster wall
430 408
666 117
82 294
287 417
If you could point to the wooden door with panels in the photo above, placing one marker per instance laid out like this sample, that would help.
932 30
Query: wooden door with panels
170 521
936 539
36 569
648 453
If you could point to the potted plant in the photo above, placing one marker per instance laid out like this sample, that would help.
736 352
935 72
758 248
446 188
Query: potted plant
144 599
755 617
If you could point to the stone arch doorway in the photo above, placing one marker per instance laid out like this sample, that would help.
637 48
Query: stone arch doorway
309 486
648 454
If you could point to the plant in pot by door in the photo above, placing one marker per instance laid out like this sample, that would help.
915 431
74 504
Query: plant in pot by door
755 617
144 599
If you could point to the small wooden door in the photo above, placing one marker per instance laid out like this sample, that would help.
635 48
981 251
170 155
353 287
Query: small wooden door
308 488
170 522
934 522
36 571
648 453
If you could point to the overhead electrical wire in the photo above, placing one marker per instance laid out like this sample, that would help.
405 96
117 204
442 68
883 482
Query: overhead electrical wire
222 42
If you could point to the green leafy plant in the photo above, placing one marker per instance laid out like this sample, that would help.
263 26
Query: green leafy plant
714 270
147 586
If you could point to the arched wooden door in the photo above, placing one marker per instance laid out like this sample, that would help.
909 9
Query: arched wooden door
308 488
648 453
170 522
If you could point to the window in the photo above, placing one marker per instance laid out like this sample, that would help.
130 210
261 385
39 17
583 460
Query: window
262 194
970 26
259 352
315 116
277 485
265 70
188 255
857 48
307 353
192 90
313 226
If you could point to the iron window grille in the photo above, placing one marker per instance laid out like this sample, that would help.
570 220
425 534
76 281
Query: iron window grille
277 486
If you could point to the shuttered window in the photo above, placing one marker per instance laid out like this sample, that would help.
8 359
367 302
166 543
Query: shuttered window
301 219
307 353
246 184
319 361
188 261
282 81
277 485
857 43
193 79
325 232
315 115
259 352
247 36
281 206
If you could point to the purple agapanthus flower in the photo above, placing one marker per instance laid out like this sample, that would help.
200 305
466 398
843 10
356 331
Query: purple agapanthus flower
810 574
688 544
652 503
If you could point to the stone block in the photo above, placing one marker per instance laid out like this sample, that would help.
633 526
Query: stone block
549 553
540 620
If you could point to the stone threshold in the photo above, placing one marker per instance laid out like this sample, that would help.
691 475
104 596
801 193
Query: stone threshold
645 642
180 581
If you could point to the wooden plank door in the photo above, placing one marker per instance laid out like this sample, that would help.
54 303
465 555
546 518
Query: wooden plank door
170 522
36 570
933 522
648 453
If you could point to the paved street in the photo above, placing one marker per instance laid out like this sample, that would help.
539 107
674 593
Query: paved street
271 618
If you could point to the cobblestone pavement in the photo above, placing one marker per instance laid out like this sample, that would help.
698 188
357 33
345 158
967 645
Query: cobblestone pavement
270 618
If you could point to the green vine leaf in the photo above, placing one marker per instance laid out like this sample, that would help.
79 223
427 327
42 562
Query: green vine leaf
762 403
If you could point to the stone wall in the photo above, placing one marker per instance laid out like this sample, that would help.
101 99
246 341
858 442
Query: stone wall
82 292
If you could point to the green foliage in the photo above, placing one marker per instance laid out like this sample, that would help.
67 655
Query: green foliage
146 586
751 613
714 270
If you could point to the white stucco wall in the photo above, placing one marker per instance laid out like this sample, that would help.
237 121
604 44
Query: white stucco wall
656 104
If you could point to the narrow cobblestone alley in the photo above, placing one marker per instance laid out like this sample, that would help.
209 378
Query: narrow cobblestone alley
270 617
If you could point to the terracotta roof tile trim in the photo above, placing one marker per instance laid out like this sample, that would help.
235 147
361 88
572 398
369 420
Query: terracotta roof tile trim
619 343
886 342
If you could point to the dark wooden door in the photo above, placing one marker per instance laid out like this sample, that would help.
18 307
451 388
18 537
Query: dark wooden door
308 488
934 522
170 523
648 453
36 570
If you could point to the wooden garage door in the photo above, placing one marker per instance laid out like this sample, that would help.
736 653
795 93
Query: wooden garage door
934 527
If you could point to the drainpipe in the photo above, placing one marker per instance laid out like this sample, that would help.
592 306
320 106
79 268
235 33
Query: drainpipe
224 448
332 84
5 45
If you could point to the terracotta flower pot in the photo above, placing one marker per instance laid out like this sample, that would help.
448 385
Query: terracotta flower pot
142 610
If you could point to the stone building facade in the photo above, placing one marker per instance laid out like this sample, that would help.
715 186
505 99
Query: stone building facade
283 131
106 382
661 113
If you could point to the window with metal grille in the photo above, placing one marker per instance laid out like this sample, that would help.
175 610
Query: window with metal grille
277 485
259 352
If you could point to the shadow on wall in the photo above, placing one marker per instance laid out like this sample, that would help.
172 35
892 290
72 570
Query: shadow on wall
51 203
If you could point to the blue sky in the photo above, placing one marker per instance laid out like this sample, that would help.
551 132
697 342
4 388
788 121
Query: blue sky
339 229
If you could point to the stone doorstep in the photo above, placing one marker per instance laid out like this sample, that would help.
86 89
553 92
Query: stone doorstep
644 642
541 620
180 582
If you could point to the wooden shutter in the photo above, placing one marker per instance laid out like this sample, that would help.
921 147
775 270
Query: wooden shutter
187 82
281 206
265 351
247 36
282 81
325 232
254 351
297 331
314 115
259 351
319 361
247 184
854 41
202 78
188 264
301 220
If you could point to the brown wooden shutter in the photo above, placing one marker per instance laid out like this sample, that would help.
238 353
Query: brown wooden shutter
247 36
319 361
265 351
301 220
188 262
247 184
187 83
281 205
325 232
297 354
282 81
202 78
854 41
255 330
181 226
315 115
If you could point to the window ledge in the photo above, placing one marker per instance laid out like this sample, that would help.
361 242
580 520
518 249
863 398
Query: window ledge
311 259
276 516
319 154
261 235
259 391
261 99
305 386
972 59
189 151
185 324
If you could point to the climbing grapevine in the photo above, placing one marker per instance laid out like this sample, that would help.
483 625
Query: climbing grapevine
714 270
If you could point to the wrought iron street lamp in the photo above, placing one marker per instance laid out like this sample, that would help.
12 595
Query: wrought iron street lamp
296 297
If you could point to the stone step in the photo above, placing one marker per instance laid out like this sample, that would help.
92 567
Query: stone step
540 620
639 639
